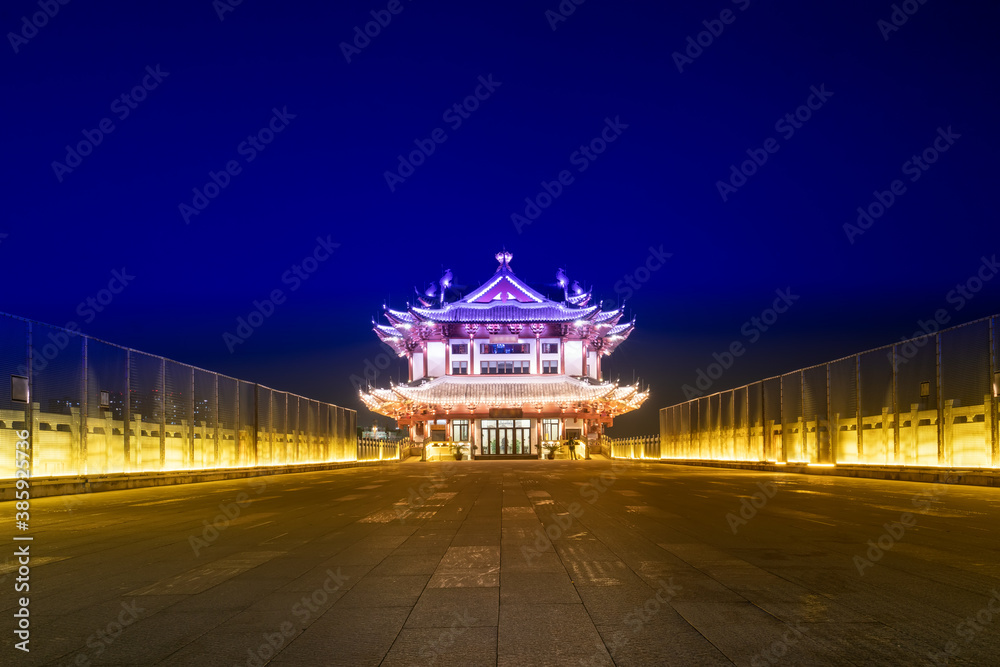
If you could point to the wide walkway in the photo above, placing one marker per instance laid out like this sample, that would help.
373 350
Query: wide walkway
515 563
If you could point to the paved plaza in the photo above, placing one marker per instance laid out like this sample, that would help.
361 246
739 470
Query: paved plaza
516 563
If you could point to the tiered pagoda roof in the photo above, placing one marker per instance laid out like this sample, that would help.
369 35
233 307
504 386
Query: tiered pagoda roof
505 304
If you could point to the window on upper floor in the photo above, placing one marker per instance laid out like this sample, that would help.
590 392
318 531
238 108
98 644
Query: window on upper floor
550 348
459 348
505 367
504 348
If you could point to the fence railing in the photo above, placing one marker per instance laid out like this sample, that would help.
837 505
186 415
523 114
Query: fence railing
92 407
927 401
377 449
639 447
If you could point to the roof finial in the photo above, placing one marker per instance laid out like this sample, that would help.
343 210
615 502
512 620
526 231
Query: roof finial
563 281
445 284
504 258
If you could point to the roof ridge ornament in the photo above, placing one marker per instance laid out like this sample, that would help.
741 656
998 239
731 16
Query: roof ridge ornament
504 258
563 281
445 283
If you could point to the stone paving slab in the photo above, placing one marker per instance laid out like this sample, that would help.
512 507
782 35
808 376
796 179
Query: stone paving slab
344 637
471 606
537 588
642 645
541 633
445 646
518 563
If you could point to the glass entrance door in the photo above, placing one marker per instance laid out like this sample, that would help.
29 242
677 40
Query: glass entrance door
491 436
506 436
499 433
522 436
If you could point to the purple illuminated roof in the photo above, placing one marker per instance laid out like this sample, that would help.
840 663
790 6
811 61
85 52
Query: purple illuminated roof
505 312
506 300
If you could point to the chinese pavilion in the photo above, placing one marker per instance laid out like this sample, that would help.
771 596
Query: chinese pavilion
504 368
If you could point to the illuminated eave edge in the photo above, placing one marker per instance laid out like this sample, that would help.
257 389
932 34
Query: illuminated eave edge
466 394
592 321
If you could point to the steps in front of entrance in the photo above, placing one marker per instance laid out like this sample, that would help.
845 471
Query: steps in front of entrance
507 457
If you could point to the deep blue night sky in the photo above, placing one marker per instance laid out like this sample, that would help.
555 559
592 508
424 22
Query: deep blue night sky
655 186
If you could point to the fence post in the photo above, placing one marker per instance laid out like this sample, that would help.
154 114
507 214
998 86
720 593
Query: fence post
943 412
191 429
256 422
127 412
803 425
768 436
885 435
82 468
783 453
831 427
215 437
690 447
895 412
733 448
746 426
857 408
29 410
945 433
994 379
163 413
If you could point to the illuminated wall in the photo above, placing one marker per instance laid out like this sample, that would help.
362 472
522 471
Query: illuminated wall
928 401
96 408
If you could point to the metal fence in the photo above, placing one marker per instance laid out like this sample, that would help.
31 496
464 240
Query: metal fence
927 401
91 407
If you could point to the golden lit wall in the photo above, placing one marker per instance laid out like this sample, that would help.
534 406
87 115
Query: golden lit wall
928 401
96 408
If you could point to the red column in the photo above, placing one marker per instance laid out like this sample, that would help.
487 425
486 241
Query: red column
472 356
538 355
